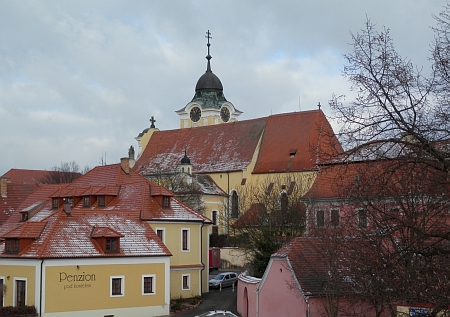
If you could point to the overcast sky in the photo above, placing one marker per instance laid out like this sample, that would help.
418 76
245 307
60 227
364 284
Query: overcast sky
79 79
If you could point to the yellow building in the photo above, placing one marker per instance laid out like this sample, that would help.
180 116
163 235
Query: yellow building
235 154
87 248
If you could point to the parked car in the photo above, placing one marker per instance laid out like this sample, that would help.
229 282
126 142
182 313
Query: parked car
217 313
226 279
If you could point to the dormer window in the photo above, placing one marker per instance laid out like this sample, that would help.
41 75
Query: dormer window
55 203
12 246
166 202
24 216
86 202
101 201
112 245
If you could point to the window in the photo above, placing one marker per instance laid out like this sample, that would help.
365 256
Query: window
362 219
161 233
111 245
335 218
185 239
148 284
101 201
234 204
320 218
86 202
269 189
284 202
55 204
117 286
165 202
1 291
186 285
214 217
12 246
20 292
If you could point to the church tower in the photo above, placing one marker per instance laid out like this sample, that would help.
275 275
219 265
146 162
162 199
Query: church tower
209 105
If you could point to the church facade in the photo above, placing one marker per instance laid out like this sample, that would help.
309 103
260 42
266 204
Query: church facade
235 154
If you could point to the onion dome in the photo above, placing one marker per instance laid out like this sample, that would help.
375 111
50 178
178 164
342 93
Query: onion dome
185 159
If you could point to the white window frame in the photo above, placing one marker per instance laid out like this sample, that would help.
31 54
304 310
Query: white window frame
331 218
316 218
188 282
366 216
163 233
15 289
153 276
122 286
188 242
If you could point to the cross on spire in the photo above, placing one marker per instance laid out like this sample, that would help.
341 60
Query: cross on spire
208 36
152 120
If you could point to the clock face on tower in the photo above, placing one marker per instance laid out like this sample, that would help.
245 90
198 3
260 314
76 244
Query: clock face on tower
225 114
195 114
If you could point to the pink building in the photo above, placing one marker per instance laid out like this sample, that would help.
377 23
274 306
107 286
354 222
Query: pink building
296 283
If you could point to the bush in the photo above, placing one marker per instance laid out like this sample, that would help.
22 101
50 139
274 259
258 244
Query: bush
18 311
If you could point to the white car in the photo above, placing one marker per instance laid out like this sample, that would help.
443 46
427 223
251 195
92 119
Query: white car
213 313
225 278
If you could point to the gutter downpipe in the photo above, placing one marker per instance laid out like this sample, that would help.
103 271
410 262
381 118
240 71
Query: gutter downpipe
228 202
308 312
257 302
201 258
40 289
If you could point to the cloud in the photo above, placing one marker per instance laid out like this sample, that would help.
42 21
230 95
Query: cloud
81 78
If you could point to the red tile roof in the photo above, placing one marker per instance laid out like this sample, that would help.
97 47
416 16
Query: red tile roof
308 259
16 194
23 176
296 142
231 146
26 230
71 235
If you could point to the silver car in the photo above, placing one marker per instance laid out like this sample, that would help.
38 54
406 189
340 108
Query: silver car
225 313
225 278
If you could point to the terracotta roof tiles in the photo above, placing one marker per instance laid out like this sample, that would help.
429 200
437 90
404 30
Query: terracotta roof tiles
231 146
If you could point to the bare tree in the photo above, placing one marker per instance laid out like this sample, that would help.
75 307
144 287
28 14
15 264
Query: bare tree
270 214
397 136
67 172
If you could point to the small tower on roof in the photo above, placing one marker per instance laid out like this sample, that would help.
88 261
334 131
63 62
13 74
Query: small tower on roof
185 165
209 105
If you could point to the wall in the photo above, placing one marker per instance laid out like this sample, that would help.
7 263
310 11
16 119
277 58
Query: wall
234 257
246 295
279 277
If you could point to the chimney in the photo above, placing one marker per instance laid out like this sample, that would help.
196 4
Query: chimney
67 208
125 164
4 187
131 156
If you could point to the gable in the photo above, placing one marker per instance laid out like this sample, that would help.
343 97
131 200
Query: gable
296 142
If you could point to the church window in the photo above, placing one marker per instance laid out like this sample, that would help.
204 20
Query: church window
284 202
269 189
234 204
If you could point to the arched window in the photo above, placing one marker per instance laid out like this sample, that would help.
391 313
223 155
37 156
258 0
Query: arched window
284 202
234 204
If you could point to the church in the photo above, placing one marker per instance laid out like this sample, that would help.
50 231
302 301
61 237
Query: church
217 156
